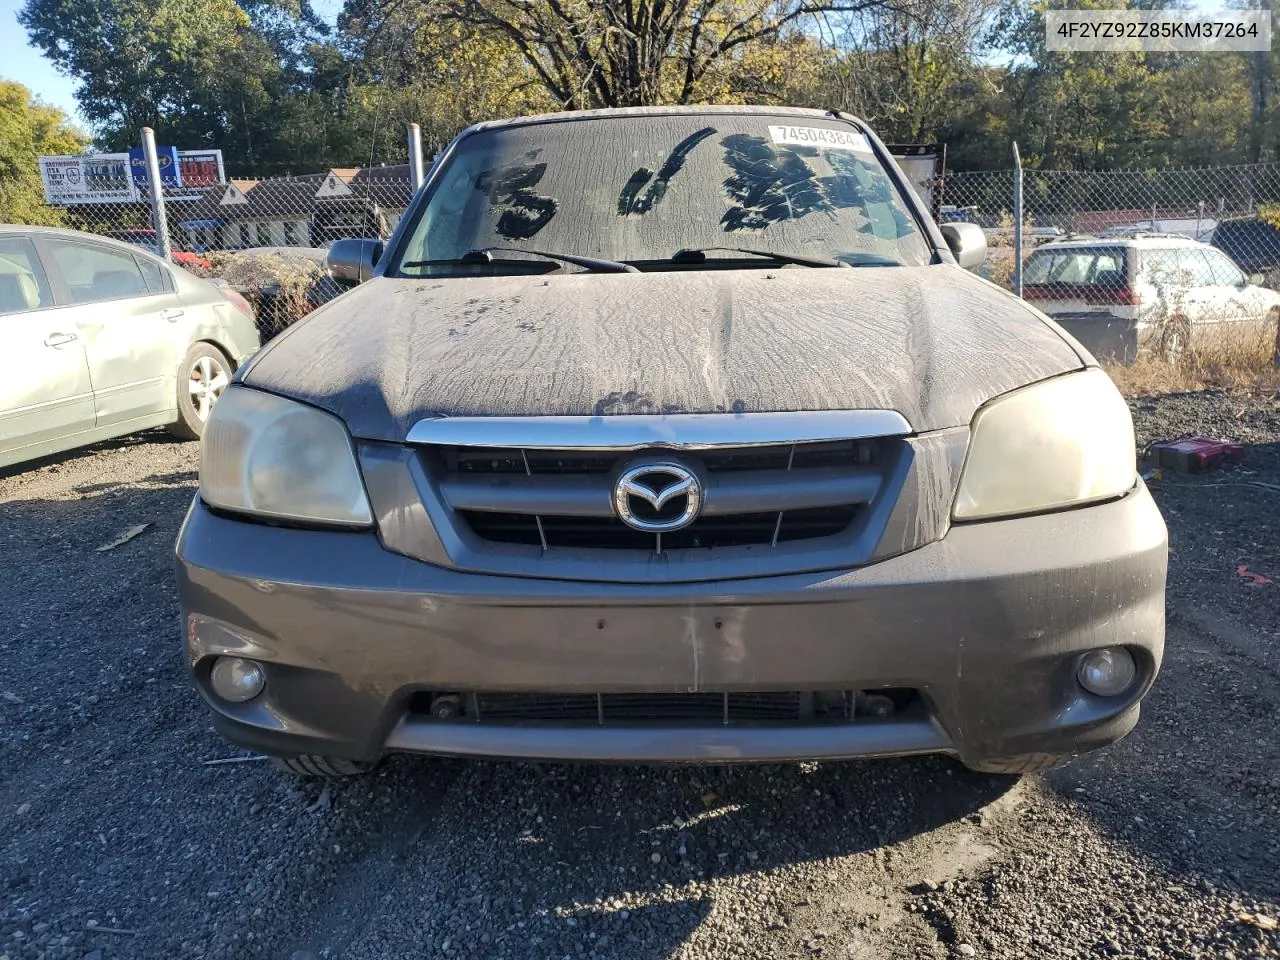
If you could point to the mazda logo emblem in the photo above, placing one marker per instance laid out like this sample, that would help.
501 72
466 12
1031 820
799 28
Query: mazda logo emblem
644 492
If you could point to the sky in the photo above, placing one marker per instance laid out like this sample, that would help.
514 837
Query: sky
22 63
26 65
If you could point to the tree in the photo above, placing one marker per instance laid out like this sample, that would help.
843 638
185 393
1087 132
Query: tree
30 129
623 53
444 74
899 66
193 70
1095 111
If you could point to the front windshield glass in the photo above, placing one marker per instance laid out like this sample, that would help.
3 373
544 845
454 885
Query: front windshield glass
639 189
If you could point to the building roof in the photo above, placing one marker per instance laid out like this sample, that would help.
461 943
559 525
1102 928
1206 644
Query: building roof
301 196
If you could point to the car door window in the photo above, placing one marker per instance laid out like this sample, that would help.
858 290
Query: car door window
1162 268
23 285
1224 271
156 276
1196 267
94 273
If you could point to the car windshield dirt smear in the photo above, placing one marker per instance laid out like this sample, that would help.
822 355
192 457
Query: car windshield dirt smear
527 212
630 202
771 184
768 185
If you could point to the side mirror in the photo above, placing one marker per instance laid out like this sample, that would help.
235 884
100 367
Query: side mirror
967 242
352 259
1256 279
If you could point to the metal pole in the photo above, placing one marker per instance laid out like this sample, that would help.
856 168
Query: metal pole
1017 221
157 193
415 155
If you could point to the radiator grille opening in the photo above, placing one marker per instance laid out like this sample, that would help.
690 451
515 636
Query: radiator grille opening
729 530
787 707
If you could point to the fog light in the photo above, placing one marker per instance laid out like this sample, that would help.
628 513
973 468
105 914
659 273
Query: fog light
1108 672
236 680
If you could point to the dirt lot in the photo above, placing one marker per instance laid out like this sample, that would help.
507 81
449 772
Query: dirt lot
118 839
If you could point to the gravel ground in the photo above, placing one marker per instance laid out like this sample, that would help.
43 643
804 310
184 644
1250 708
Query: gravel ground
117 839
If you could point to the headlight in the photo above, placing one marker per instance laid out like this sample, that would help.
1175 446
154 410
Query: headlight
272 457
1055 444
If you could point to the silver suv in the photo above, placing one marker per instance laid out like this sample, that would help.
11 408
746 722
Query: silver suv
1156 291
671 435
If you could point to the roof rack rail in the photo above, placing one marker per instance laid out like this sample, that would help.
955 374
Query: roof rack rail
1139 233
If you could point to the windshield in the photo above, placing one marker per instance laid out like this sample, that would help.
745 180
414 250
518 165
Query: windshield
639 190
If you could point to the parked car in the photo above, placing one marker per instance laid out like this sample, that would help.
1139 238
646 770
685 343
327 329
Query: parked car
146 239
1252 243
99 339
1119 295
671 434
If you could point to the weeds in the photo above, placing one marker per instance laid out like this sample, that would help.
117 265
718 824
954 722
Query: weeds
280 285
1236 355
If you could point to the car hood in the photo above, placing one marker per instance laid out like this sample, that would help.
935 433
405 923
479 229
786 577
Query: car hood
933 343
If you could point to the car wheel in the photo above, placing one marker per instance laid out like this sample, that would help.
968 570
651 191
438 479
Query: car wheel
1175 337
1023 763
202 376
314 765
1273 323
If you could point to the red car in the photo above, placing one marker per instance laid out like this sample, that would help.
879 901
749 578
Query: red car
146 239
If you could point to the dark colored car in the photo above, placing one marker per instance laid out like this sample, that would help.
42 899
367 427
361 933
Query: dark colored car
1252 243
672 435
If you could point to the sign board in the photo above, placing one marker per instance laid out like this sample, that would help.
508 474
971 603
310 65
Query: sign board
92 178
198 169
166 159
111 177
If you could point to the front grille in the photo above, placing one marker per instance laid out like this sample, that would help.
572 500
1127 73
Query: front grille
753 496
707 532
686 709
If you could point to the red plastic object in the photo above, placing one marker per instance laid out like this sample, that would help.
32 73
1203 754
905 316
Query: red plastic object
1196 454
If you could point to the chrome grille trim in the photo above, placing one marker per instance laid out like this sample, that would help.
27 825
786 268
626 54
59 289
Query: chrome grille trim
917 478
679 431
591 495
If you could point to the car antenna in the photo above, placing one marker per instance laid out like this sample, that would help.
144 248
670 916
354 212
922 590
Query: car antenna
371 207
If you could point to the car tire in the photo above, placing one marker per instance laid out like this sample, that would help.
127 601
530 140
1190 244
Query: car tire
1020 764
203 364
1175 338
1273 323
314 765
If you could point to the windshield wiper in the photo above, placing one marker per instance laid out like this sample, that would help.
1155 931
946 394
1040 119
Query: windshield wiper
868 260
699 255
483 255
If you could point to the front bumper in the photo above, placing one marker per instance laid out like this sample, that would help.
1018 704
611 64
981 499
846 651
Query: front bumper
985 623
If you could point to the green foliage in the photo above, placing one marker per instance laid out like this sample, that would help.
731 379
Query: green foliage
30 129
281 91
1269 213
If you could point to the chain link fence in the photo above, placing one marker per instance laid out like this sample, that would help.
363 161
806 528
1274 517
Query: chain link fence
1178 264
1128 261
267 238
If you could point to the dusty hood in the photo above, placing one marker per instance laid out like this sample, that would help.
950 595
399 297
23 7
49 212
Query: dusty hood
933 343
